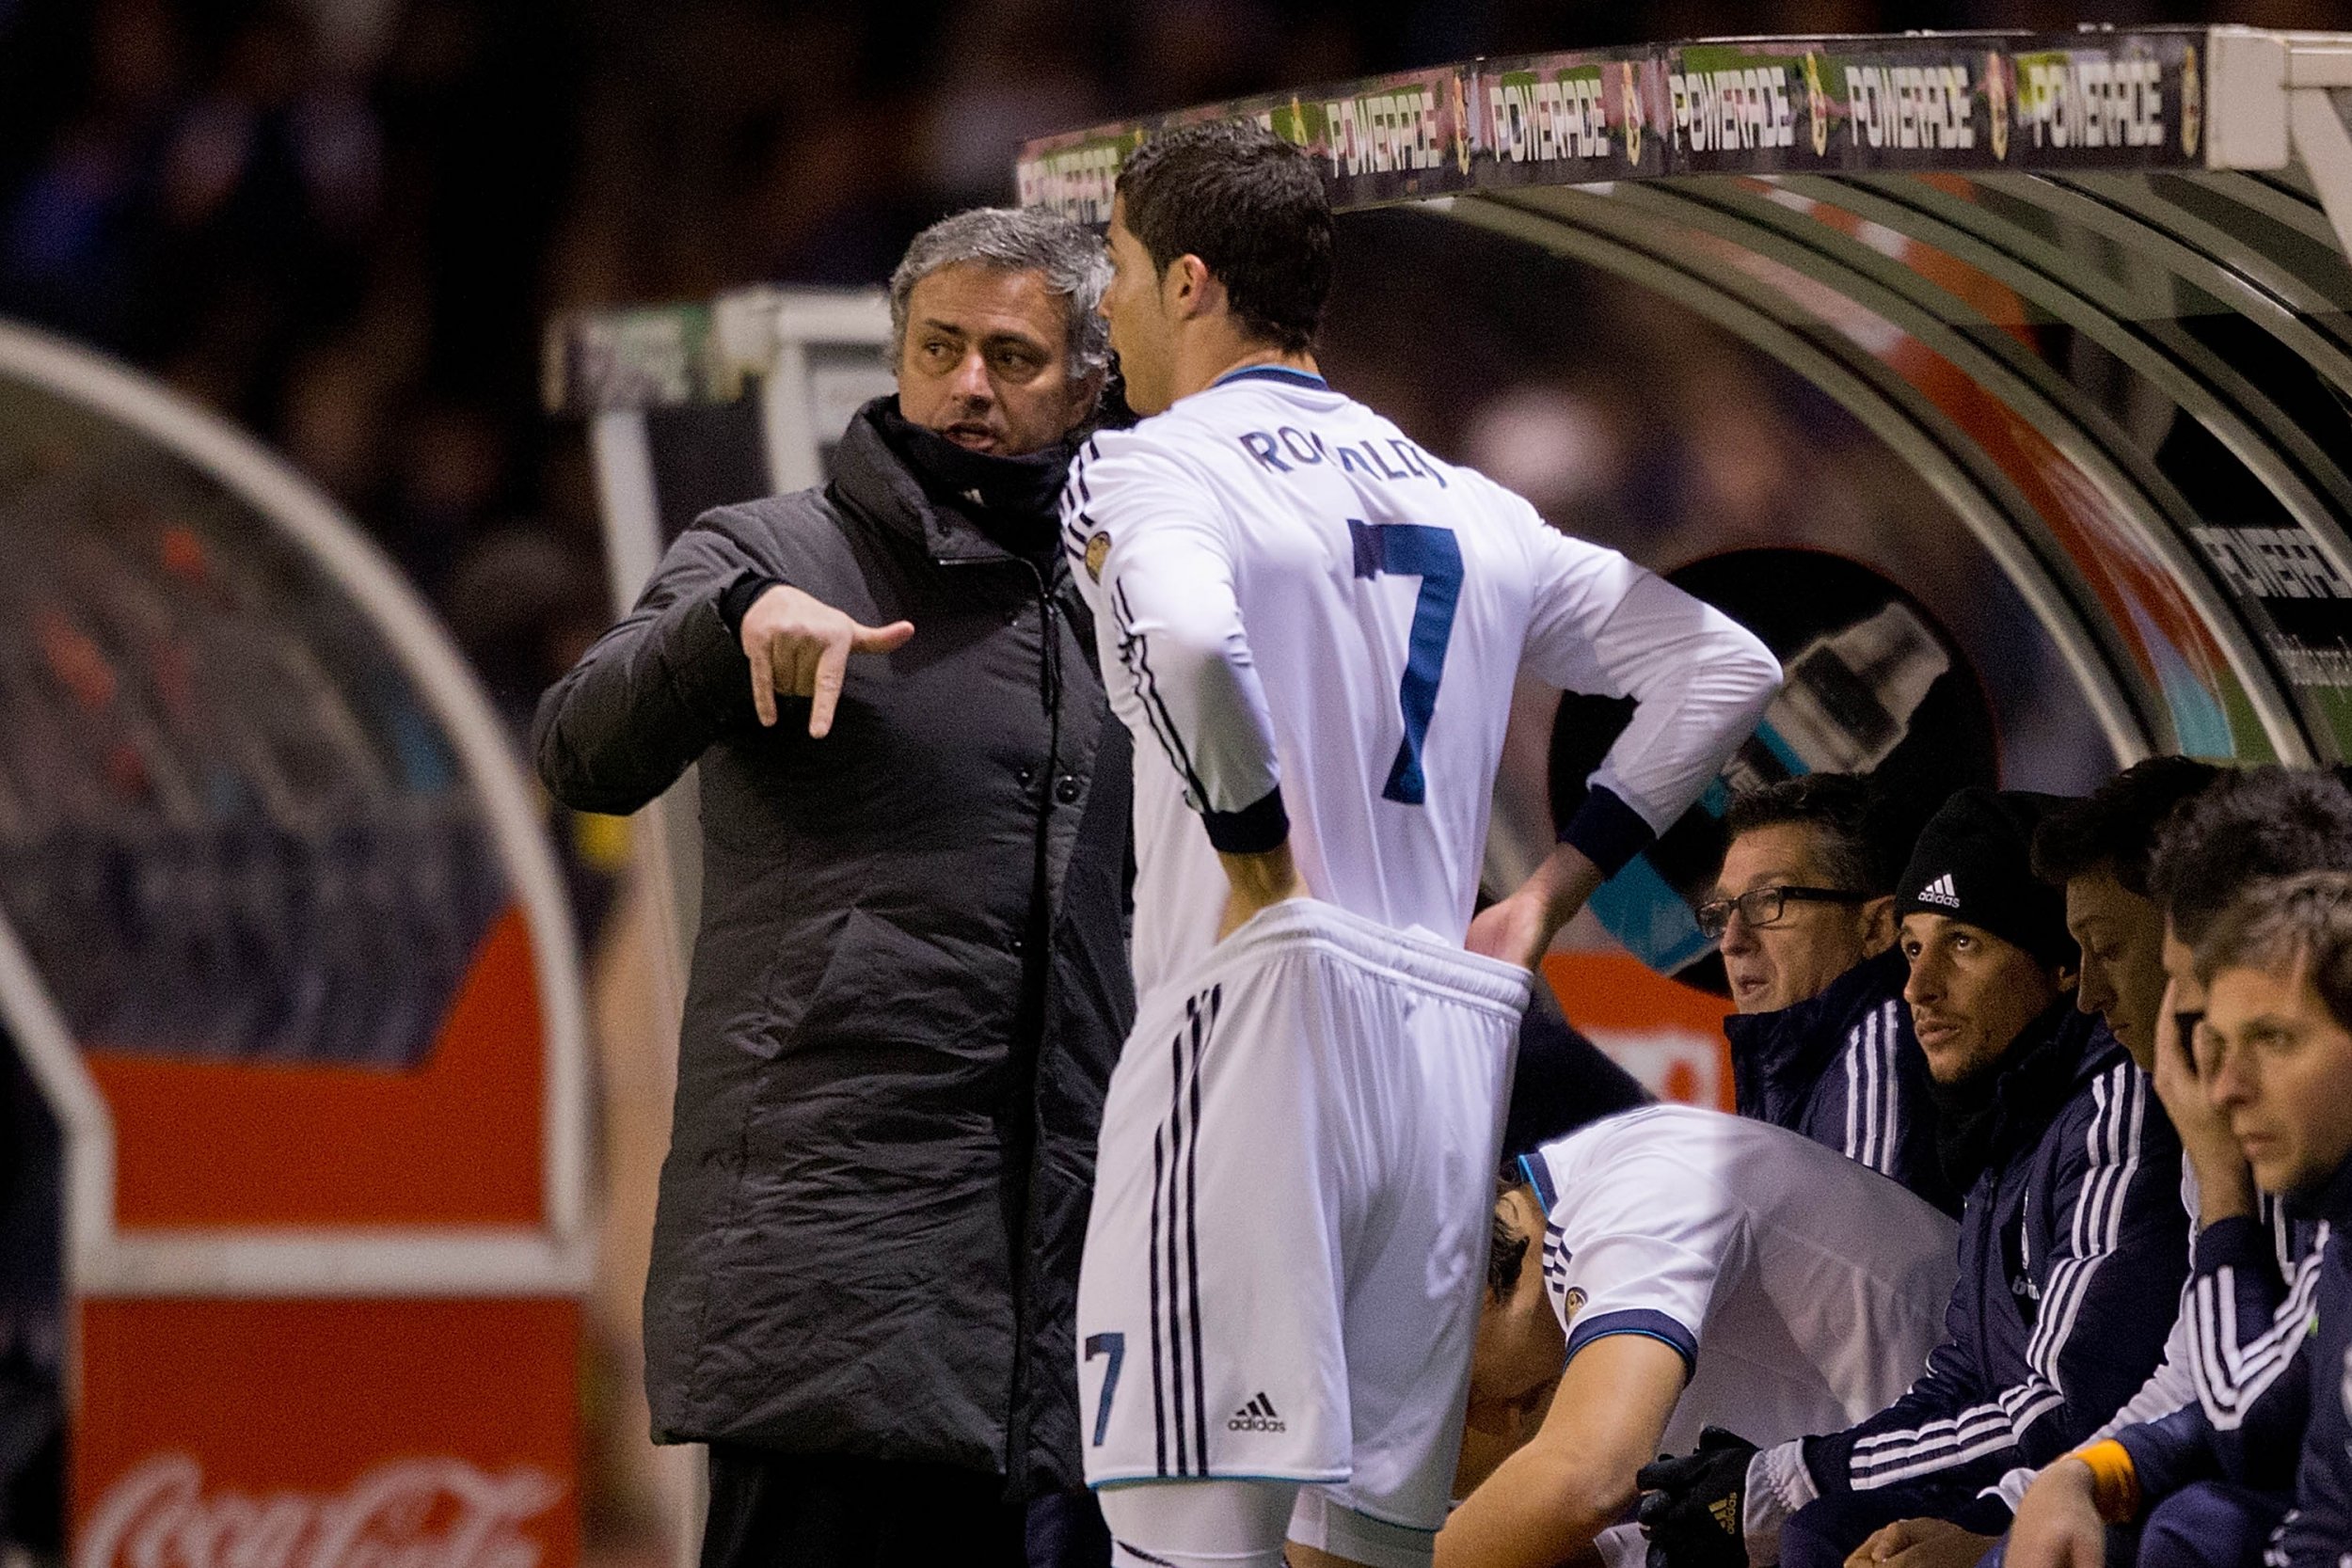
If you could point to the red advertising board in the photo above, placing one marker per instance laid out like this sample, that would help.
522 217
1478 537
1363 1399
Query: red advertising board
327 1434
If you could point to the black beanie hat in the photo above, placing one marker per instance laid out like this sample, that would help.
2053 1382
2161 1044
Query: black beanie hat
1973 862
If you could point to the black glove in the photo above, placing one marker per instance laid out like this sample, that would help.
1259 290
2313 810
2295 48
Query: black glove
1692 1507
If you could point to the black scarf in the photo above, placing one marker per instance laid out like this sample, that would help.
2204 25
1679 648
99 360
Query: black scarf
1976 1118
1014 501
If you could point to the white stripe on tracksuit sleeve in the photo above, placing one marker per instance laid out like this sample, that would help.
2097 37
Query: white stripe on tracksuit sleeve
1947 1426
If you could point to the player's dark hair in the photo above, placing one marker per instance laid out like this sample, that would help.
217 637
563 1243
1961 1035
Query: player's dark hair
2114 828
1252 207
1506 1255
1863 846
2247 827
2287 924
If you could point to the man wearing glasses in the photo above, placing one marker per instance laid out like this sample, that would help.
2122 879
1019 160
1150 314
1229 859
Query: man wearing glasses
1822 1043
2071 1231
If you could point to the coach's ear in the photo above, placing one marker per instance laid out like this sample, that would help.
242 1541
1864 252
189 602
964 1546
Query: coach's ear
1086 398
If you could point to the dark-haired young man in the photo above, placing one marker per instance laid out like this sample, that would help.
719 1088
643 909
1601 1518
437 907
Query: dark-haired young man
1821 1044
1312 628
2099 851
2209 1443
1696 1270
2071 1228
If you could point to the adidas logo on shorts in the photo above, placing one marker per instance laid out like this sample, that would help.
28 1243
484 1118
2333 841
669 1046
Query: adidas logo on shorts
1257 1416
1940 891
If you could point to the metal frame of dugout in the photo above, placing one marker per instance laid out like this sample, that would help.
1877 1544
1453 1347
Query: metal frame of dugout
2091 287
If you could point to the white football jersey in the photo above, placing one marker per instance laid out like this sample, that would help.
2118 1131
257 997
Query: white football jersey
1804 1290
1314 628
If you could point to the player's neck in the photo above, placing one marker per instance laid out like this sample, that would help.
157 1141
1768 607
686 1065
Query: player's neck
1208 356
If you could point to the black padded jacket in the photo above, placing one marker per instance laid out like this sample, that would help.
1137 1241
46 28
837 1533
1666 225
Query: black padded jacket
907 988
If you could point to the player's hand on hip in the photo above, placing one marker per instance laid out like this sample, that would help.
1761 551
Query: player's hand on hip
1519 929
1255 883
1513 929
800 646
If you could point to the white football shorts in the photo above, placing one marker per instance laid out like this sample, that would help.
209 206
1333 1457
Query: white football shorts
1287 1248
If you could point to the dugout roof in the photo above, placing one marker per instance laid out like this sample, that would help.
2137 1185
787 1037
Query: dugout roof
2091 287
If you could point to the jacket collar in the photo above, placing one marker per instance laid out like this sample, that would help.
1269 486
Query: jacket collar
1982 1121
875 480
1793 1045
2063 1049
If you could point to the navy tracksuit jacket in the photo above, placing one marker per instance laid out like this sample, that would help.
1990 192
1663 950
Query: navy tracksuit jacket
2249 1304
1845 1070
2071 1235
2219 1473
2319 1533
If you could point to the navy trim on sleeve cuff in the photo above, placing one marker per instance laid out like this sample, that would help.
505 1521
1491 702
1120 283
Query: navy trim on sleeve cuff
1607 832
2239 1240
1655 1325
737 598
1251 831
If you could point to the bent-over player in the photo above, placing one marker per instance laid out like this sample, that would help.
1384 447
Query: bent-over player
1312 627
1696 1270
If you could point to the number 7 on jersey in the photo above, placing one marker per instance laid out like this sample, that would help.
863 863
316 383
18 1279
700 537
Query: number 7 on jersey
1431 554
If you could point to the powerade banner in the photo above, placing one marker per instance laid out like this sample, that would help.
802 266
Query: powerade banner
1553 119
1385 138
2076 100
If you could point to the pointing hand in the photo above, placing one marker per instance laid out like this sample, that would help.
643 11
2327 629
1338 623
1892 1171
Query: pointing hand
800 646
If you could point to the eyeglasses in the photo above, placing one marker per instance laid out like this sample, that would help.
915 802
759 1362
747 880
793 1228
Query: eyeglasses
1764 905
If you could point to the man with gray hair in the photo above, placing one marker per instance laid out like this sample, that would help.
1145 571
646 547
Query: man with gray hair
911 977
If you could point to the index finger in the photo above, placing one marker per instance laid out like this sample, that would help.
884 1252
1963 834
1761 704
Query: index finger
827 689
763 685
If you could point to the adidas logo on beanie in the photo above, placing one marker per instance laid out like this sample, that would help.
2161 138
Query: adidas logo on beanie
1973 862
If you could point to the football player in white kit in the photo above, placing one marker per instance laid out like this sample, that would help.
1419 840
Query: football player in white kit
1312 628
1696 1270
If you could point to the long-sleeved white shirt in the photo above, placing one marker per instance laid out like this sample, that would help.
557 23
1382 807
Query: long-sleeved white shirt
1312 627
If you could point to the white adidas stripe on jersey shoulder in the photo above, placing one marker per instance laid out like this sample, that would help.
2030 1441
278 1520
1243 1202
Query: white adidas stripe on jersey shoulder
1871 1110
